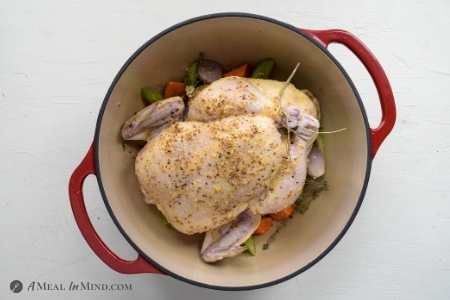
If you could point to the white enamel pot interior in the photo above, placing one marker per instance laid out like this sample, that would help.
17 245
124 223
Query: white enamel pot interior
233 39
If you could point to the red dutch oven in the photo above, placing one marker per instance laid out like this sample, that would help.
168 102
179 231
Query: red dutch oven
232 39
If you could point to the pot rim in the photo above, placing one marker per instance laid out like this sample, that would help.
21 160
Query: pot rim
97 159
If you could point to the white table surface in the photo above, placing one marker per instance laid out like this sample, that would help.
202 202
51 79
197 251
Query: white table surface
57 59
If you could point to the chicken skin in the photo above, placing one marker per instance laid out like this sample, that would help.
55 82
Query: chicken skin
203 175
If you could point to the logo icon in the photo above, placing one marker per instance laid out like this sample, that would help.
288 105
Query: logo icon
16 286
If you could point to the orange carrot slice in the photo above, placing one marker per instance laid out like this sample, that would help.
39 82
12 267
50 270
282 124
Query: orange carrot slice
283 214
241 71
174 88
264 225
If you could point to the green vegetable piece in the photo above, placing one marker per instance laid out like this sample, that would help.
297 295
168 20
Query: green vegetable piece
250 245
192 75
312 189
150 95
263 68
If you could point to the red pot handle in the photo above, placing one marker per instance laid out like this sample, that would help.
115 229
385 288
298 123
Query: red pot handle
326 37
87 167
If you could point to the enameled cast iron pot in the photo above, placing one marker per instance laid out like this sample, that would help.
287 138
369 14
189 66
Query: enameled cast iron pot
232 39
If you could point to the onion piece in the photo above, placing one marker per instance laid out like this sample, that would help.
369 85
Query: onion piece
316 163
209 70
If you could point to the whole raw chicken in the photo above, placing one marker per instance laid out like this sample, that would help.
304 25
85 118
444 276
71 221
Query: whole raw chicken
219 164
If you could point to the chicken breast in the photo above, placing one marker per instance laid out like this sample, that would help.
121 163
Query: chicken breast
203 175
234 96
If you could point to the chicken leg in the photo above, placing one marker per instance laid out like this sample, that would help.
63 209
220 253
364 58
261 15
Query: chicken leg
288 185
227 240
157 114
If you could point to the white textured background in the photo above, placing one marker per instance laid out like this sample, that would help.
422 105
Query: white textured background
57 59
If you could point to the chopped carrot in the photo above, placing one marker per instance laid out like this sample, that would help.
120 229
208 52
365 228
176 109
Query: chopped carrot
241 71
283 214
174 88
264 225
